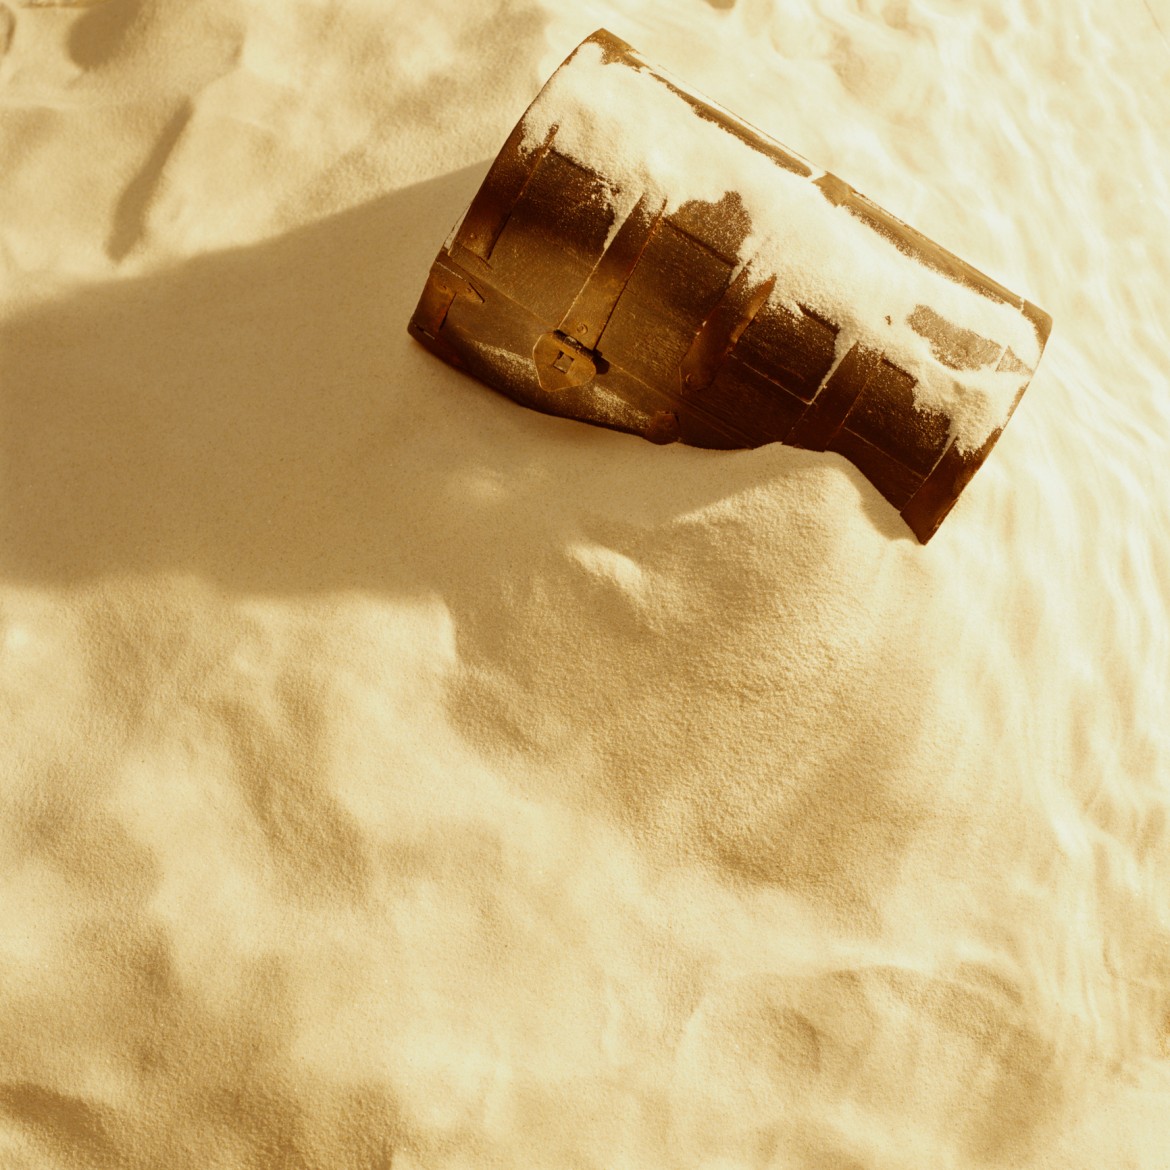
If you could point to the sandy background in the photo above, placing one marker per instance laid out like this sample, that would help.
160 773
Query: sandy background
394 777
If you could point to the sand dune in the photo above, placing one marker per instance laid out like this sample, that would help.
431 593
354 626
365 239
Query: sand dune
394 776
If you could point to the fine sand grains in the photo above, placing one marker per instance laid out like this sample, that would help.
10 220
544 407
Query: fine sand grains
391 776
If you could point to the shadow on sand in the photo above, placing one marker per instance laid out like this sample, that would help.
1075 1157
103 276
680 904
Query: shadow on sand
259 416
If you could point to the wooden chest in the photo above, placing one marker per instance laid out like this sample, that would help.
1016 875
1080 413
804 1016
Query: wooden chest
641 259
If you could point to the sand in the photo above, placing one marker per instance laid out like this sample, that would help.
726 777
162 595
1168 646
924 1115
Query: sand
391 776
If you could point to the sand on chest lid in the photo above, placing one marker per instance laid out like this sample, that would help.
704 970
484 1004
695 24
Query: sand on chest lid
631 127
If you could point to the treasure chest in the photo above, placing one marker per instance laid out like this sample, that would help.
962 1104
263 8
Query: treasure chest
640 258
